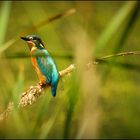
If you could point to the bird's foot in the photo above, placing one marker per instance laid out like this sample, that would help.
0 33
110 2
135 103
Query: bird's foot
41 84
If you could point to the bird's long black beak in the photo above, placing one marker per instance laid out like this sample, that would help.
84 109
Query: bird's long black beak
25 38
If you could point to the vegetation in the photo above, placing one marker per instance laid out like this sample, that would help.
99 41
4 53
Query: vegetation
99 102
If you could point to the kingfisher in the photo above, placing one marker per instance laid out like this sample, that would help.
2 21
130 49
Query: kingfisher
43 63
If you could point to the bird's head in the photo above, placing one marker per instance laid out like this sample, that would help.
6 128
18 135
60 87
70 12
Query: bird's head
34 41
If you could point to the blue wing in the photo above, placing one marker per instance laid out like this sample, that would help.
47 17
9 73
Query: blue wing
48 69
44 65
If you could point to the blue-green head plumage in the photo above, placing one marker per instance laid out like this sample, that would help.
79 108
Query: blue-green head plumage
34 39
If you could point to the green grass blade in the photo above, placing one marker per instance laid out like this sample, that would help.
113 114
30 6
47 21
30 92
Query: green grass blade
124 37
114 25
73 98
4 17
128 27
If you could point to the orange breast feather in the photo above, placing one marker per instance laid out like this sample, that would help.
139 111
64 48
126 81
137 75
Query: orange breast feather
40 75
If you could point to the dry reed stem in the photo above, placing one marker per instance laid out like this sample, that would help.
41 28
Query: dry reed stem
30 96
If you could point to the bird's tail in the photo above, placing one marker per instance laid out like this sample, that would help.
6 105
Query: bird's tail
53 89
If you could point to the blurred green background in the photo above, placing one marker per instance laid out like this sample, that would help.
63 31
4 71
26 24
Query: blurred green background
101 102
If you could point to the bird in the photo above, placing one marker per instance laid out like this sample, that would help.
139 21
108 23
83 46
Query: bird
43 63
